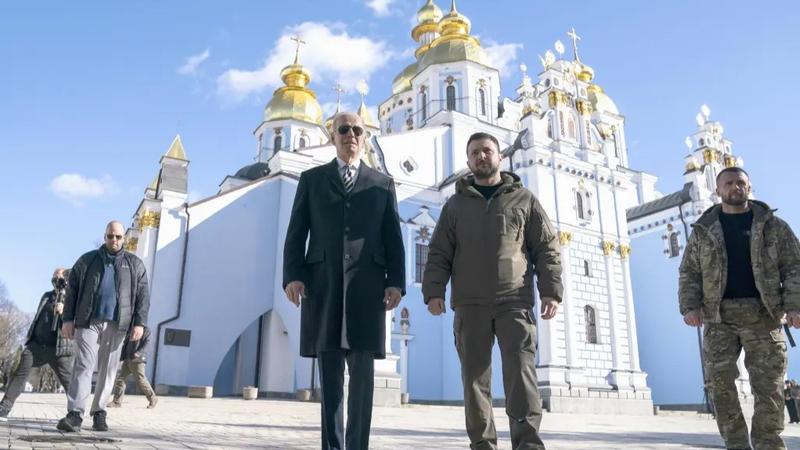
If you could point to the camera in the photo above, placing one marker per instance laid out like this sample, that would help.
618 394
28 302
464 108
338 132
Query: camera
59 283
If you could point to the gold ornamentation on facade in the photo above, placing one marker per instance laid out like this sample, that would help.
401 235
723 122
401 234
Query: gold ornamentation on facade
730 161
624 251
564 237
557 98
709 155
608 247
584 107
150 219
691 166
131 244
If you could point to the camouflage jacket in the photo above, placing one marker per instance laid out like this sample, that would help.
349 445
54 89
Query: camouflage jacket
774 254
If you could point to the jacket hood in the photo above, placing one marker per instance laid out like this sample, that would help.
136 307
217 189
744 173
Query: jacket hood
511 182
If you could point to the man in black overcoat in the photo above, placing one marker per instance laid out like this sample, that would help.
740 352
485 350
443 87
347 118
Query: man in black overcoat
352 274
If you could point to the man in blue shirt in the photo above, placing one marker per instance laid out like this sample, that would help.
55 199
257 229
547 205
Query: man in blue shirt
108 298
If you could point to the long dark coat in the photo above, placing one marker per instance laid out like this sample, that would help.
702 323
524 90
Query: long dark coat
354 252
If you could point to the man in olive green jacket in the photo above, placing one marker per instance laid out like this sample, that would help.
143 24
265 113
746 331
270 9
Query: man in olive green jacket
740 276
491 237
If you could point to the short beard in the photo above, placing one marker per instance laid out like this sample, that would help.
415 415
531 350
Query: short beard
486 172
730 201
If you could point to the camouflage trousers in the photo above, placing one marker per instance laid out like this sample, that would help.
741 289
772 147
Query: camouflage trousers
746 325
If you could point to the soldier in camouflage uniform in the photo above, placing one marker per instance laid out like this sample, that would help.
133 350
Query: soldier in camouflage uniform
740 276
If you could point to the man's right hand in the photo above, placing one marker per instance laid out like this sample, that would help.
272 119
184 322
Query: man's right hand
295 291
693 318
436 306
68 330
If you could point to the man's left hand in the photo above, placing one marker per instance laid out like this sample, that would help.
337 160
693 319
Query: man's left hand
793 319
391 298
549 308
138 331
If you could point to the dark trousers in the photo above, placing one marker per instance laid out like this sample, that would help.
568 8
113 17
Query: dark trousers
361 368
791 406
36 355
475 328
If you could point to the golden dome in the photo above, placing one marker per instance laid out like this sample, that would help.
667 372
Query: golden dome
294 100
402 82
600 101
429 13
428 17
455 22
468 49
584 72
455 43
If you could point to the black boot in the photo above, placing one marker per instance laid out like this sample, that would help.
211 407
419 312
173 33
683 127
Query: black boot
99 421
71 423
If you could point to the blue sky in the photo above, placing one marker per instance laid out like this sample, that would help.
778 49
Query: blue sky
92 93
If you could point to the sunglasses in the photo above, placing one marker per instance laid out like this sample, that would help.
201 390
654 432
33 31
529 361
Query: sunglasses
114 236
344 129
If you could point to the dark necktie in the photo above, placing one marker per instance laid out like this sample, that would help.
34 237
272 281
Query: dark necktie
347 178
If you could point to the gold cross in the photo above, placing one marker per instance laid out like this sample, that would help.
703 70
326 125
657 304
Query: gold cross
299 41
575 38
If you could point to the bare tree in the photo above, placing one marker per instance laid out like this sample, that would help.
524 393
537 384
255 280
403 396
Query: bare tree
13 326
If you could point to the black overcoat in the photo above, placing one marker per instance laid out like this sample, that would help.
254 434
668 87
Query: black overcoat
355 250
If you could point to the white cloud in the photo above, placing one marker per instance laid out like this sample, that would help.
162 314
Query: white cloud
380 7
331 54
329 108
193 62
76 188
502 55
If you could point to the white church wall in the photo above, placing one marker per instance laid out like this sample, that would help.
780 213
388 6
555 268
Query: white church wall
222 297
666 342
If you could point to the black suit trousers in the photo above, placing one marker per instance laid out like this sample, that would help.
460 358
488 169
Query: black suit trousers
361 367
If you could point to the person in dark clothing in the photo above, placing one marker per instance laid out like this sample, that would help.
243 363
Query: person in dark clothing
352 274
43 344
108 295
791 405
133 360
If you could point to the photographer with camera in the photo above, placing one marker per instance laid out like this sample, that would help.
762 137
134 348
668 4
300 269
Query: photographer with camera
44 343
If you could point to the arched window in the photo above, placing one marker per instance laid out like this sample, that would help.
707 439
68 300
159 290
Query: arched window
561 122
277 143
302 142
423 100
591 324
482 101
588 134
674 246
571 128
451 98
550 128
579 206
587 268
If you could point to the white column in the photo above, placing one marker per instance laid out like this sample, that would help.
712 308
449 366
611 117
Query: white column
633 340
387 366
612 308
638 378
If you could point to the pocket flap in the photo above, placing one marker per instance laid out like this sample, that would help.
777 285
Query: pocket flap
315 256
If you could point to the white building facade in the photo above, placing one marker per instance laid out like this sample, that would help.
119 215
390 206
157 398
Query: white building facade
218 308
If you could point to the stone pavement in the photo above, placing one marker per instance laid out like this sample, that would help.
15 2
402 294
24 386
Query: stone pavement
231 423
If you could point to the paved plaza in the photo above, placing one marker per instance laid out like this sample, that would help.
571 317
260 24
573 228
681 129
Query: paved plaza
230 423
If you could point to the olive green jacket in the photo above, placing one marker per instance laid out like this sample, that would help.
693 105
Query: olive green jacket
490 249
774 254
